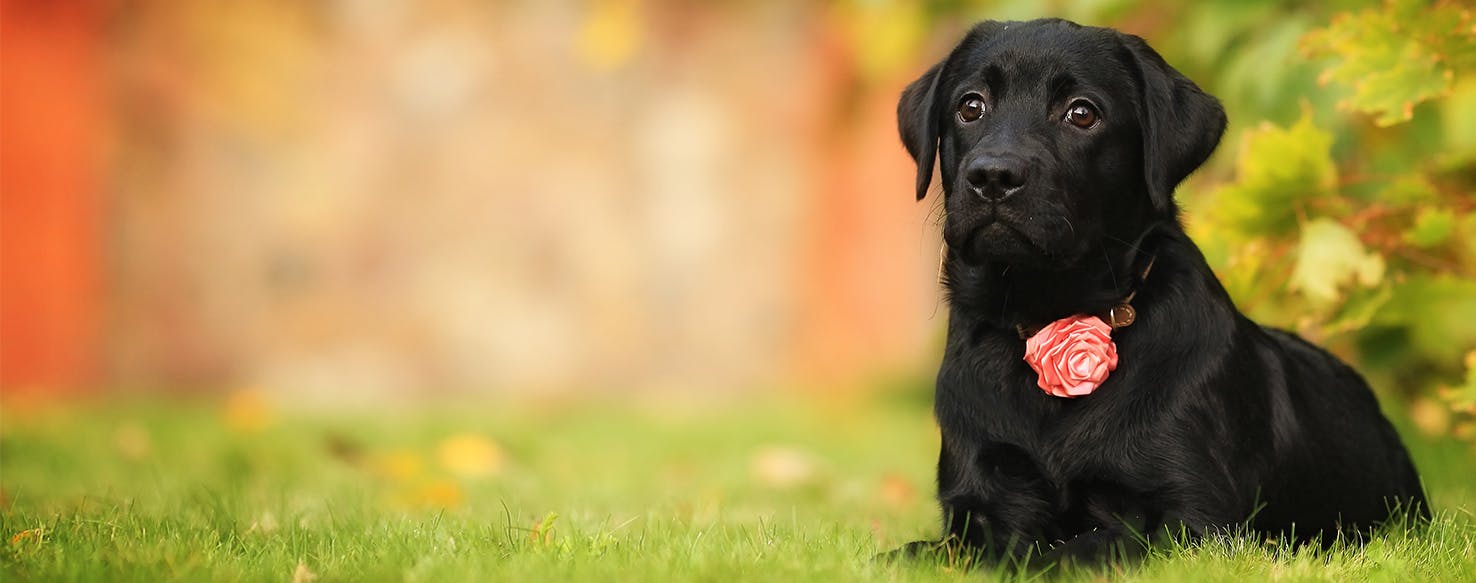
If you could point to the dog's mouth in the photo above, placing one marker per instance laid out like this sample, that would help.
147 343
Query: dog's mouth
995 231
994 236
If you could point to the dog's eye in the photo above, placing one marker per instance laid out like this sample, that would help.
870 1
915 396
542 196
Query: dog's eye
971 107
1081 114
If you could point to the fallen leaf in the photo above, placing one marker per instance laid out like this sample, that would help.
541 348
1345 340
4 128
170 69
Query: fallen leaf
133 441
247 411
266 524
470 455
34 534
399 465
343 448
782 467
897 491
542 531
437 494
302 575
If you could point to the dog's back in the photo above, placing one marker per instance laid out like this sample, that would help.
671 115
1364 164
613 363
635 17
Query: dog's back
1339 465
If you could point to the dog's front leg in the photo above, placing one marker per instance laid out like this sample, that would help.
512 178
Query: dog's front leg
995 501
971 535
1099 546
1125 538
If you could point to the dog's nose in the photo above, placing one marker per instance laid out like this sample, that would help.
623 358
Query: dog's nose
995 177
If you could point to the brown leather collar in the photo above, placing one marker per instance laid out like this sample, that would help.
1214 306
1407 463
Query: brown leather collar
1120 315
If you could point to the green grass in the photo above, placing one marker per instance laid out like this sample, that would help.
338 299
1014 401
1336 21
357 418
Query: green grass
758 488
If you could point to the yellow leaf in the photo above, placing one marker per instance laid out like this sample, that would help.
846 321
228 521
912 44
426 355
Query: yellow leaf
247 411
1330 257
440 494
1433 418
470 455
302 575
886 35
611 34
1277 170
132 441
266 524
782 467
400 465
34 534
1396 56
897 491
543 530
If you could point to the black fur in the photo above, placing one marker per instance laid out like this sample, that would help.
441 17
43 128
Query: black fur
1210 420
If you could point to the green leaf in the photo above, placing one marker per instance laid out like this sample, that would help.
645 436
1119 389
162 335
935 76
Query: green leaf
1437 311
1465 395
1276 170
1359 310
1409 189
1330 257
1396 57
1465 238
1431 227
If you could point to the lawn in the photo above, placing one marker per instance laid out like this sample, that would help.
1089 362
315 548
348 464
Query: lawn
767 488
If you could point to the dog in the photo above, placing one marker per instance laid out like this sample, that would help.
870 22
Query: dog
1099 391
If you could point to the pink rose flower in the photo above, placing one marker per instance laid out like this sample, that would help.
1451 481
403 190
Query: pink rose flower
1072 355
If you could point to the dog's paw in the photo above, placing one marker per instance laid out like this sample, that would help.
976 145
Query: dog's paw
921 549
949 551
954 554
1094 549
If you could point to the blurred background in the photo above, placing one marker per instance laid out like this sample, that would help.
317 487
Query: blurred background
326 287
355 198
358 200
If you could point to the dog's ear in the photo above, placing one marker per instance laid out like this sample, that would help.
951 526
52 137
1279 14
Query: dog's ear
918 123
1181 123
918 128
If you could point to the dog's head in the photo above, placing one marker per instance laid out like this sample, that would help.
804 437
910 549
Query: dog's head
1052 136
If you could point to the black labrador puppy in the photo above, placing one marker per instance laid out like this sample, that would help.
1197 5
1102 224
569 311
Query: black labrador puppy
1099 388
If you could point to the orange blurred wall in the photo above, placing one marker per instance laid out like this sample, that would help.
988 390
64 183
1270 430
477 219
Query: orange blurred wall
204 195
51 118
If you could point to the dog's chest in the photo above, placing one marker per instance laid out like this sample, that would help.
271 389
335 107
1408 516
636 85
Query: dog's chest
989 395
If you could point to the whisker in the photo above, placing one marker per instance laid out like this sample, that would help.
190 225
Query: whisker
1131 246
1004 308
936 212
1068 224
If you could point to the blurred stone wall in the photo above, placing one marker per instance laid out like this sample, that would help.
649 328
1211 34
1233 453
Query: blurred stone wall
367 197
